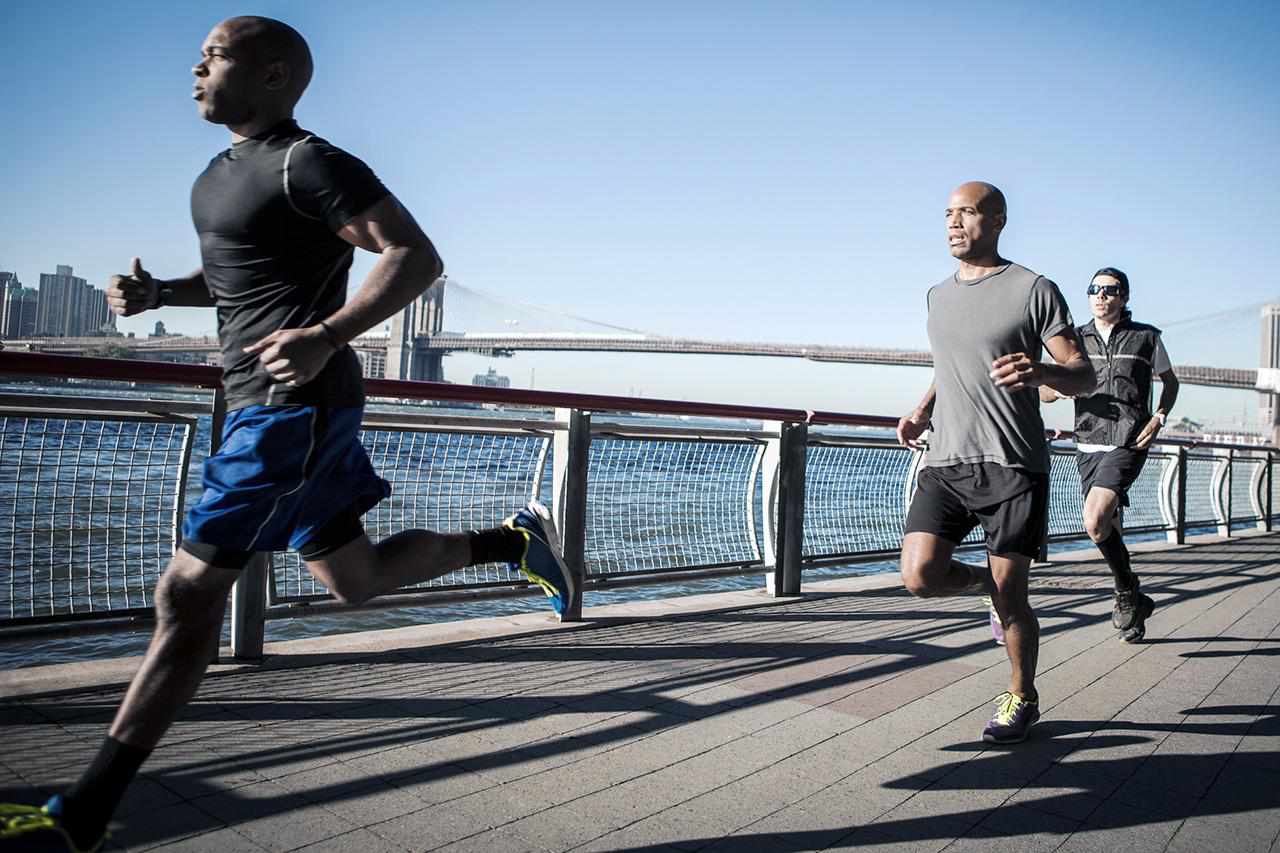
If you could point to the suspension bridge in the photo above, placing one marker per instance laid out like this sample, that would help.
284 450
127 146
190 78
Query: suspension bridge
419 341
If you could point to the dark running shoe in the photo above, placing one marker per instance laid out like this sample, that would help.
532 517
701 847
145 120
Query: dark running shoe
1013 718
1130 612
541 562
41 828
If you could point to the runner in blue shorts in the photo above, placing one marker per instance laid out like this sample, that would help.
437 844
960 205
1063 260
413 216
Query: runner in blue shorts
279 215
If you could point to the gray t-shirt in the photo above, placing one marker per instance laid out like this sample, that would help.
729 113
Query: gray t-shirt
971 324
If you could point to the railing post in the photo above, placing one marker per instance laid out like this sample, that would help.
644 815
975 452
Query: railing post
1231 482
572 454
1257 480
249 594
249 609
1266 500
1220 488
1180 499
788 549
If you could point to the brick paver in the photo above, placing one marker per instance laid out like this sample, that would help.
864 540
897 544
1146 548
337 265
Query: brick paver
846 719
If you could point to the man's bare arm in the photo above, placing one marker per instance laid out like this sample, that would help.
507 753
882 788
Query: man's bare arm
912 426
407 265
1168 395
138 291
1168 392
189 291
1071 376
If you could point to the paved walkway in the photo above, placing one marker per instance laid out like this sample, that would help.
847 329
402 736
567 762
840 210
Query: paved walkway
844 720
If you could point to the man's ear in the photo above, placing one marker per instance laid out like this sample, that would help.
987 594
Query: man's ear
278 74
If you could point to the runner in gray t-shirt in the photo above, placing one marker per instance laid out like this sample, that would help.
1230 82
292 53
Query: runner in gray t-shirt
987 461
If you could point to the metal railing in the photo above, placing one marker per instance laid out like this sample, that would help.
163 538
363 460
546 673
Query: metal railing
644 491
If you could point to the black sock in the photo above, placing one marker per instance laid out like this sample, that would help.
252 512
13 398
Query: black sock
93 798
1118 559
496 545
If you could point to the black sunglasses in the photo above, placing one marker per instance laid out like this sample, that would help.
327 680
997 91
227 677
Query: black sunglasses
1112 290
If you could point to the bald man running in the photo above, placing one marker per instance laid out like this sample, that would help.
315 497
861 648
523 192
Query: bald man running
987 460
279 215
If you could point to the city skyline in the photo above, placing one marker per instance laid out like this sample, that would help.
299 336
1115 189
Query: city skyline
733 171
1228 412
63 305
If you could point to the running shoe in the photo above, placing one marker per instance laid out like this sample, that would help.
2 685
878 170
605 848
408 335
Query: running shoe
41 828
997 627
542 562
1130 611
1013 719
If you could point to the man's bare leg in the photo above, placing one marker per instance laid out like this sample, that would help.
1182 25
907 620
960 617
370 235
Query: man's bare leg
1101 521
1101 507
190 599
1011 573
928 570
360 570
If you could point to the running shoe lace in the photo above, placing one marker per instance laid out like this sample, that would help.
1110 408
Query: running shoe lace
1008 708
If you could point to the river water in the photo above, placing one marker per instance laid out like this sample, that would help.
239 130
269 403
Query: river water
49 463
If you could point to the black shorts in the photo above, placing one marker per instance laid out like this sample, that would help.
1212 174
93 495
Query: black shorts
1112 469
1011 504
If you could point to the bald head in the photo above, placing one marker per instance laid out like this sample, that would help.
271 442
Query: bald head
976 214
984 196
276 46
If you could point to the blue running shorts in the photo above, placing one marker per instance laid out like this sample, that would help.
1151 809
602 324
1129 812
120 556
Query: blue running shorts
283 475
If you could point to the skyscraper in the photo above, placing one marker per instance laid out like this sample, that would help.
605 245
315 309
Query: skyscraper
69 306
17 308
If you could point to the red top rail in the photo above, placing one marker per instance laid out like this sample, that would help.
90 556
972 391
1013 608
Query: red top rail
206 376
118 369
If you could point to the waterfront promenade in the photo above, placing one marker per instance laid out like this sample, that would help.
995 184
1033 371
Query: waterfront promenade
844 719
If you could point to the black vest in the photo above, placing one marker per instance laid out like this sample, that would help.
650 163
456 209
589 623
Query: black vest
1121 406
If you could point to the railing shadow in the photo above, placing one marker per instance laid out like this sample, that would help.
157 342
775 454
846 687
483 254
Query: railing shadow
661 697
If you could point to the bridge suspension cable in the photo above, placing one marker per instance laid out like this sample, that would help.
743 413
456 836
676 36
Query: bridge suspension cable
1226 315
543 309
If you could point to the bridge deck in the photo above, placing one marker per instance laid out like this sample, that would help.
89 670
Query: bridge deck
844 720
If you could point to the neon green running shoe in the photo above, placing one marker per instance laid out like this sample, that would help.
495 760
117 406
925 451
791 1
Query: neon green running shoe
542 562
1012 721
41 828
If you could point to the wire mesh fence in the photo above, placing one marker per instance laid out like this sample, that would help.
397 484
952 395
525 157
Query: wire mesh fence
1245 470
1066 510
1144 510
92 508
853 499
1202 489
92 500
441 481
655 504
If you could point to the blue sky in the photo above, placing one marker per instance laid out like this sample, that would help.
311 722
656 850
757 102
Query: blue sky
728 170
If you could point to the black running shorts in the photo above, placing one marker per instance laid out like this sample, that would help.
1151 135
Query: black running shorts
1011 504
1111 469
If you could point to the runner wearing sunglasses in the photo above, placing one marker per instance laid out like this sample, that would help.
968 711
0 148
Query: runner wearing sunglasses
1115 426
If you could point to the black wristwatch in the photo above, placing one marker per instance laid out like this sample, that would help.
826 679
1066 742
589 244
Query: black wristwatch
163 292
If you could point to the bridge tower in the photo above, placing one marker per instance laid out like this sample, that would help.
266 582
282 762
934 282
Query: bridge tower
1268 410
419 321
